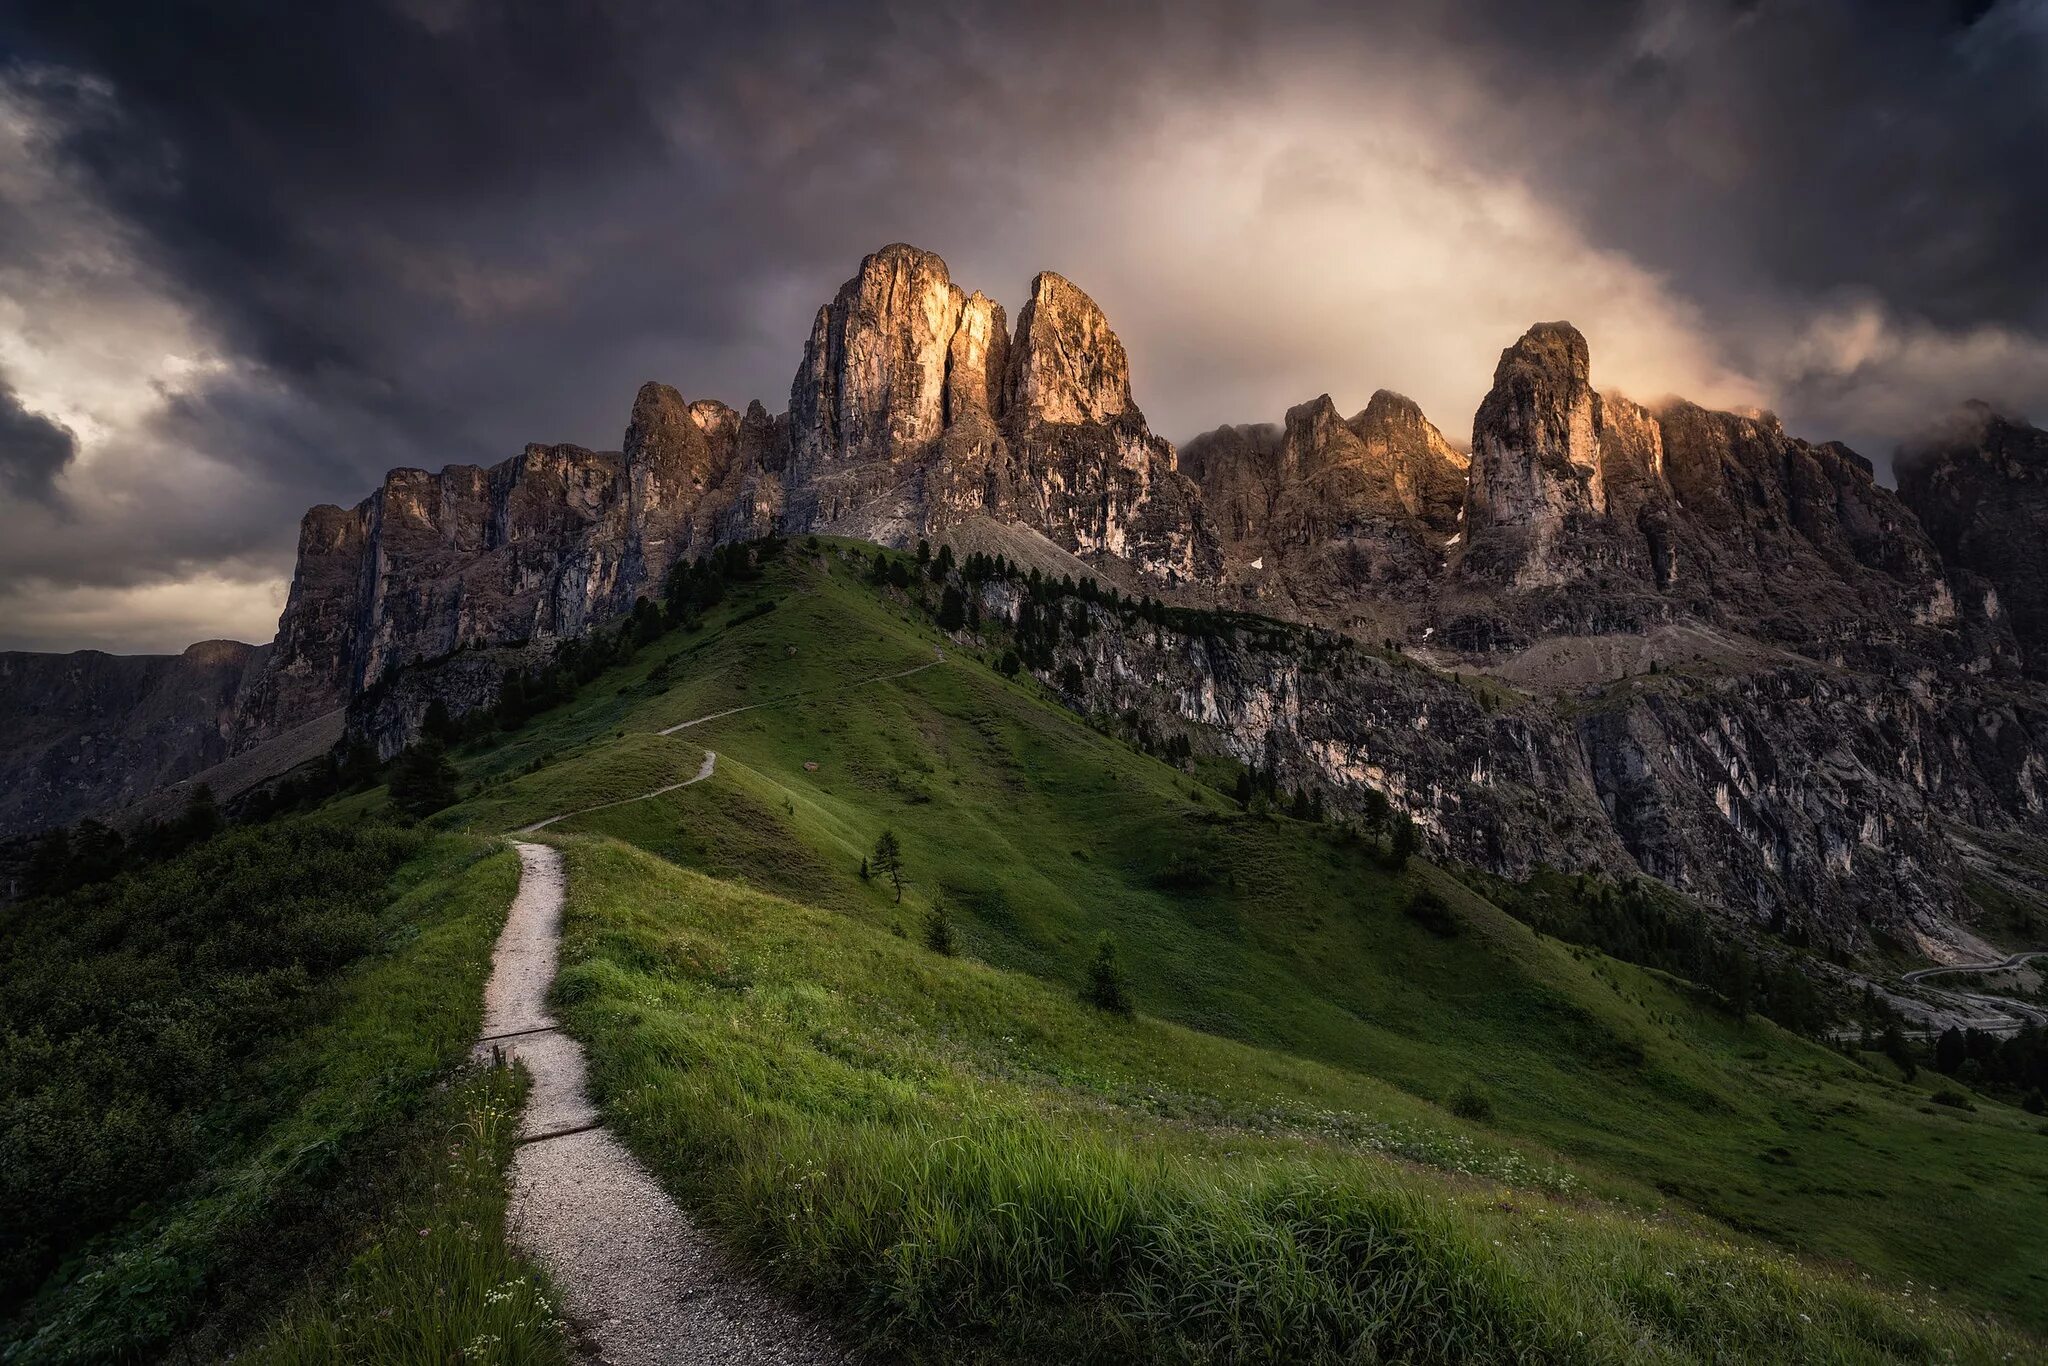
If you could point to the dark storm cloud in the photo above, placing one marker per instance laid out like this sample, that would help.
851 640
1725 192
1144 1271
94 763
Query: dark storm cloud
429 231
33 449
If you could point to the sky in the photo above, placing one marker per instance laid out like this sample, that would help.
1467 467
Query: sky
252 256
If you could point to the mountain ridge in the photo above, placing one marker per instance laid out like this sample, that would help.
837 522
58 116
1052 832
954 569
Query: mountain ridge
1769 579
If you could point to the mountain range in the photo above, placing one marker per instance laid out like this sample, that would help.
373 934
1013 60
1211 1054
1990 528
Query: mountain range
1634 639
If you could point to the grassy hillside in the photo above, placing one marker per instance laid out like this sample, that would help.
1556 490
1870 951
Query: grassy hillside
1298 1028
235 1081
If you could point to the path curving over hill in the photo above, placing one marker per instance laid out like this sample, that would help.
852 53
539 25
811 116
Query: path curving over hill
640 1282
791 697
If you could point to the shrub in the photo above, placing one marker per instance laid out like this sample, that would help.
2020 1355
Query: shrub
423 781
1955 1100
938 932
1428 909
1108 987
136 1017
1469 1102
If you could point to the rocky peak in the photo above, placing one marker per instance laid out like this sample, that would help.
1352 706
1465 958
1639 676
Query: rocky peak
1314 439
1427 473
1535 440
872 384
665 442
1237 469
1066 365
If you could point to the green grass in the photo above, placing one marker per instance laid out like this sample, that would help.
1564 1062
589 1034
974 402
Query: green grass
434 1279
967 1163
336 1109
1038 833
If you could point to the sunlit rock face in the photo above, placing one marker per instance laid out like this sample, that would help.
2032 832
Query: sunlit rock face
1428 475
1344 522
1979 485
1535 459
977 360
1067 366
873 380
915 410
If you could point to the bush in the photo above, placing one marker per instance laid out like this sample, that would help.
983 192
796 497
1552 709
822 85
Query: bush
1428 909
1469 1102
1108 987
135 1018
1955 1100
938 932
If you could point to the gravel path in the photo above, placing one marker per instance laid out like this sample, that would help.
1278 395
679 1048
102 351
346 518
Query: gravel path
640 1282
791 697
703 772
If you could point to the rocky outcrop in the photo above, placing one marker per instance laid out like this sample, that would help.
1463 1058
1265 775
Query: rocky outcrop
1590 513
914 411
1979 485
1796 798
540 546
1535 459
1428 476
1067 367
872 385
87 732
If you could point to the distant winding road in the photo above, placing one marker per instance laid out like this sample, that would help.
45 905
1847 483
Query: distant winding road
2016 1014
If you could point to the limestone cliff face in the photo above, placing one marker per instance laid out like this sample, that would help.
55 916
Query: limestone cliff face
1589 512
914 410
1795 797
540 546
1344 522
1979 485
1427 474
1237 469
873 380
1535 457
1067 368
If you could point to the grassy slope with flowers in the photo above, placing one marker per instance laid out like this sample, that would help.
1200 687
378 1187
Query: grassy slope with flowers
1264 1162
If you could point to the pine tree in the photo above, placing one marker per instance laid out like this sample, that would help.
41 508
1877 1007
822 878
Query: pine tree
888 861
423 781
439 724
202 819
49 869
1405 841
952 610
1949 1051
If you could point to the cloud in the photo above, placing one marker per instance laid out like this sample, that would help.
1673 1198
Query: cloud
1876 378
252 257
155 618
33 449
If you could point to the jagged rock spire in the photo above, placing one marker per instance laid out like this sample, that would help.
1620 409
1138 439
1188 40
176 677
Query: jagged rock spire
1067 365
1535 440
